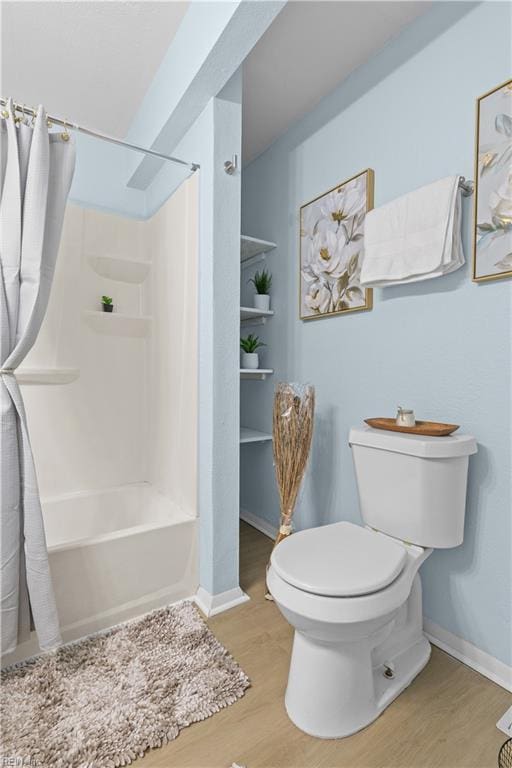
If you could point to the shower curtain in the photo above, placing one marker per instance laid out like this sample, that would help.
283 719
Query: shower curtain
36 170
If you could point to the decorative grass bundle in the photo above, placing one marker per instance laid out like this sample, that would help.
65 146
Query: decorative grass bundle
294 408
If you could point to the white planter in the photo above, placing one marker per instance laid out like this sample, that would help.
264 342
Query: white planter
262 301
250 360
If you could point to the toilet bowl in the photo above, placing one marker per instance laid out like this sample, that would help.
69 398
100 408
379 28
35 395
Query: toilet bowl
353 593
352 653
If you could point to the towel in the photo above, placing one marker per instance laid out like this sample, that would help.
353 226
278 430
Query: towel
415 237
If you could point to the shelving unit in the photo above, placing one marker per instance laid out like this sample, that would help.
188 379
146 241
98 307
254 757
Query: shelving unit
253 250
251 316
255 373
117 324
248 435
46 376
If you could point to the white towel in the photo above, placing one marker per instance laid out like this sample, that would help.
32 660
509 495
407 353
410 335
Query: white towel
415 237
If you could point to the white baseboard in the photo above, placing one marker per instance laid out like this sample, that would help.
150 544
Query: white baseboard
211 605
259 523
469 654
460 649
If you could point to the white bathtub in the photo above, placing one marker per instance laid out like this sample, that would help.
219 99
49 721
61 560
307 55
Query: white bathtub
115 554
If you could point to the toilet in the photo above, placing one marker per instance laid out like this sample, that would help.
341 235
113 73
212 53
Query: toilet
353 593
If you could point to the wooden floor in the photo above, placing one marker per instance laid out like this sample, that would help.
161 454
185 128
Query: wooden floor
445 719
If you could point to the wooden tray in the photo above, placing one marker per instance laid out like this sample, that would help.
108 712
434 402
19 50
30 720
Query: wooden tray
427 428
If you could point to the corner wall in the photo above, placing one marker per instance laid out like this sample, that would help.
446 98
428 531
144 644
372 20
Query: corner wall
442 346
172 361
214 138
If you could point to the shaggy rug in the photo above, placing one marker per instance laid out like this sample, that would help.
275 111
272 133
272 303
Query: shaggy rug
101 702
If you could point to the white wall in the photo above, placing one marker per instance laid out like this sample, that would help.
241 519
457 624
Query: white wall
172 351
89 434
130 416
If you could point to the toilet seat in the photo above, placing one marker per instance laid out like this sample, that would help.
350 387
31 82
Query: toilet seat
339 560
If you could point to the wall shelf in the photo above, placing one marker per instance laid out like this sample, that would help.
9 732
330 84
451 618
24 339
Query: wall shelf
253 250
248 435
121 269
46 376
255 373
252 316
117 324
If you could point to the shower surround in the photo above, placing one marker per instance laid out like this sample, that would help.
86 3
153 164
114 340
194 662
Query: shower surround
115 446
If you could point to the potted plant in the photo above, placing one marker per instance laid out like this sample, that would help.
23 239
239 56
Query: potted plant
107 304
262 282
249 345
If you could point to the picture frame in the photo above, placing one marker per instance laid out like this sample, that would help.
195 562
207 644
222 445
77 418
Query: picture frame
492 219
331 249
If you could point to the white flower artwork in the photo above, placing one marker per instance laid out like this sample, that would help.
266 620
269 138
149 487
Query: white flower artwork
492 252
331 249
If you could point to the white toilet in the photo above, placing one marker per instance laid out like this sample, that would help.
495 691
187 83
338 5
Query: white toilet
353 594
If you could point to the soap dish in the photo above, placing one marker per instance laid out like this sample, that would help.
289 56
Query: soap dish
426 428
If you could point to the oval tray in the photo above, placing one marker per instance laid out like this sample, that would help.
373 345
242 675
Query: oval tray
427 428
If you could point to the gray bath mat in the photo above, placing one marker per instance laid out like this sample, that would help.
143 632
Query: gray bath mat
103 701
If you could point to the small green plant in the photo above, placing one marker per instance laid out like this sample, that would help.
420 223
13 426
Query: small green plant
106 300
262 282
251 343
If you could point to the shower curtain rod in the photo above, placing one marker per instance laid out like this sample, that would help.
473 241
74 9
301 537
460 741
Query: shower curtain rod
104 137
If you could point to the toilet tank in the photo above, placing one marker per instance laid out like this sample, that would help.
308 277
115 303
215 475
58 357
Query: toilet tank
413 487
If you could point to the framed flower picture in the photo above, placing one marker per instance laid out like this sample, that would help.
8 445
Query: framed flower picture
492 240
331 249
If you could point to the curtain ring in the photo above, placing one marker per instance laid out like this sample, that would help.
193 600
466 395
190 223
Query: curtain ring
65 134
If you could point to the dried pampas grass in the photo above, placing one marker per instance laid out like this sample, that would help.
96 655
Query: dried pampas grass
294 408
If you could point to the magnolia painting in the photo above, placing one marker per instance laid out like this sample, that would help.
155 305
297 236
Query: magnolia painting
331 249
492 253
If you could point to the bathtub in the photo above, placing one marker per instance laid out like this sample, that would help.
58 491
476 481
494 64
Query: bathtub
115 554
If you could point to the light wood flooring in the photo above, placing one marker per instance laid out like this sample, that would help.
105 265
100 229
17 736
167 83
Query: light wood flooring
445 719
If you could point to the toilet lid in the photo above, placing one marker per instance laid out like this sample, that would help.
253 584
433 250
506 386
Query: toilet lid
340 560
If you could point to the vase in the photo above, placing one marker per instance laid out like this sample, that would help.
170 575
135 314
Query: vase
262 301
250 360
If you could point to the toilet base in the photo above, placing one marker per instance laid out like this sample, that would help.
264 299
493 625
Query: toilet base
334 690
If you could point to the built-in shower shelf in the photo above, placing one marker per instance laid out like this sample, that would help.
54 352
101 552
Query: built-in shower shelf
117 324
255 373
119 268
253 250
46 375
248 435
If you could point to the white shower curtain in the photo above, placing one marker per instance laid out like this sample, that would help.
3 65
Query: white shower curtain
36 170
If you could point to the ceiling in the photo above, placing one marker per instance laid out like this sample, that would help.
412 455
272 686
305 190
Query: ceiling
311 47
91 62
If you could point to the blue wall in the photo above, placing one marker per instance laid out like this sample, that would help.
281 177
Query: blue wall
441 346
101 175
